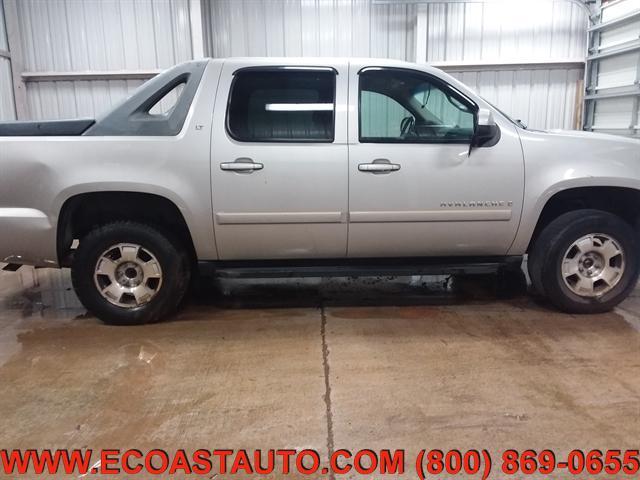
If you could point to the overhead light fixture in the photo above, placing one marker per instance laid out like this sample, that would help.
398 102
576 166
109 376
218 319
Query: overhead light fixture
298 107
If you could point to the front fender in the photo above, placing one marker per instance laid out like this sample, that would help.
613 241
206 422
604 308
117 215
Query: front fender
558 161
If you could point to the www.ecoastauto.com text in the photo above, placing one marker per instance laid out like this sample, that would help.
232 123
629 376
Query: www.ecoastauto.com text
426 463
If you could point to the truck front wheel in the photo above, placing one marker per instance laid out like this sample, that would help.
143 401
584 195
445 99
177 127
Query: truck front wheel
127 273
586 261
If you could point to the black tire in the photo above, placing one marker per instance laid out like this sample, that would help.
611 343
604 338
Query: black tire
170 254
547 255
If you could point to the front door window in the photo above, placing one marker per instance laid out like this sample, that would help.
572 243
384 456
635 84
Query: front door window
400 106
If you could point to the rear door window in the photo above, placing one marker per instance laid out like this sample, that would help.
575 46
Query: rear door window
282 105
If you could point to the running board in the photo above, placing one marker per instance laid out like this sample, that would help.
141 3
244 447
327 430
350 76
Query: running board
357 267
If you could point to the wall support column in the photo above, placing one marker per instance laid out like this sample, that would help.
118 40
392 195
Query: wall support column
195 19
17 62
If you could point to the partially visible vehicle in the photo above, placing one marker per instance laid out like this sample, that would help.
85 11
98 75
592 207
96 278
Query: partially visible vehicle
284 167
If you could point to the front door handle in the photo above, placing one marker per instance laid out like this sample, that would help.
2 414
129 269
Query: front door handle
241 165
379 166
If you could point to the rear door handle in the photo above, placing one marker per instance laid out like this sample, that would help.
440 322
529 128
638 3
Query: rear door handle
379 166
241 165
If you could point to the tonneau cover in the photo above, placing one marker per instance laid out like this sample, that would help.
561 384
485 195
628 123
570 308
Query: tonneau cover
52 128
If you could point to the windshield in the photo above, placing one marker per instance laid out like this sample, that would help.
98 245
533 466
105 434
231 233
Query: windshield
518 123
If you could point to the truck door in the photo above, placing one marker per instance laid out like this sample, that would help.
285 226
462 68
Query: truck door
279 161
414 188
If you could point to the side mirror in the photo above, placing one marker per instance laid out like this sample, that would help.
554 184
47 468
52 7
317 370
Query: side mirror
487 132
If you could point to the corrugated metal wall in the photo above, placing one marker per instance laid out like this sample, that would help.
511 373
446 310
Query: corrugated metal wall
473 32
498 32
7 110
503 31
101 35
511 32
542 99
613 100
295 28
97 35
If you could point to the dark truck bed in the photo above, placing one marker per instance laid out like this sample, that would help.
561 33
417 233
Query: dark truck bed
53 128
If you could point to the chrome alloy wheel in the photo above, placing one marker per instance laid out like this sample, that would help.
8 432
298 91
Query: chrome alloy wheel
593 265
128 275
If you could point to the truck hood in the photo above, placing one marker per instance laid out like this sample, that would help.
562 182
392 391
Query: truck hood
576 147
559 157
593 136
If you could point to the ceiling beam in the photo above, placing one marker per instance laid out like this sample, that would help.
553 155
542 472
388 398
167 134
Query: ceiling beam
89 75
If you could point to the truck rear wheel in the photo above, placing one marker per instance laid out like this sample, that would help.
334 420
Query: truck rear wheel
127 273
586 261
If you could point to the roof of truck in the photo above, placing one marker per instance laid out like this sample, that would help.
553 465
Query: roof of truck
322 60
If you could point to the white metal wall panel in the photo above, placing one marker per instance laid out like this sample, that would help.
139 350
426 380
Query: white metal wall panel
4 44
84 99
70 99
7 107
619 36
618 71
542 99
619 8
455 32
75 35
614 70
295 28
97 35
510 31
612 113
504 31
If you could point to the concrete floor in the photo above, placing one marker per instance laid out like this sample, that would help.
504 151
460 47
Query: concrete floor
326 364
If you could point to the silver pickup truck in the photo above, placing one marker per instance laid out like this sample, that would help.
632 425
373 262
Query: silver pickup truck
294 167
